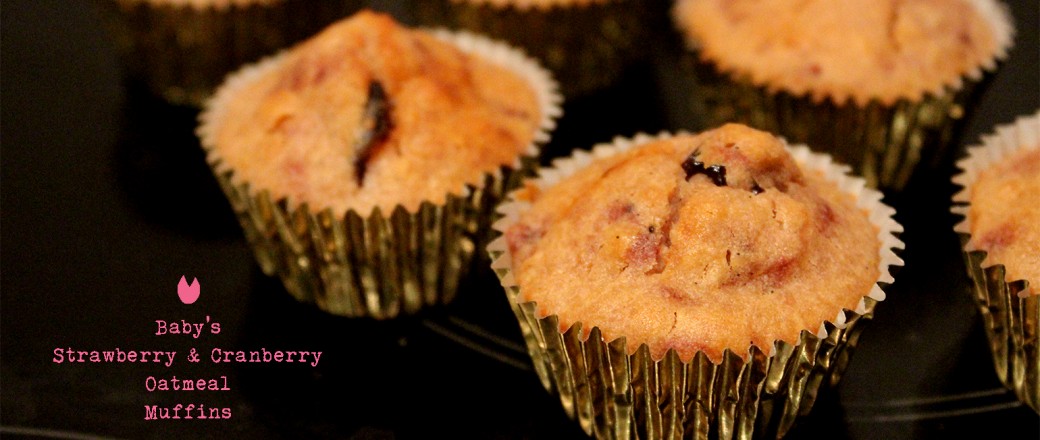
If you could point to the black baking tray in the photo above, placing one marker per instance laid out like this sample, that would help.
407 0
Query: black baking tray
106 202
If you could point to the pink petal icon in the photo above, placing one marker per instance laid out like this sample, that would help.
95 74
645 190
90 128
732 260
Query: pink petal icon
188 292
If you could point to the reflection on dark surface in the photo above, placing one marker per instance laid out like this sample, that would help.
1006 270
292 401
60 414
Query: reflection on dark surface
351 379
827 419
410 376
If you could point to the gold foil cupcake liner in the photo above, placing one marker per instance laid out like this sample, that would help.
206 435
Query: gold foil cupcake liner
382 264
617 390
884 143
587 44
182 50
1010 309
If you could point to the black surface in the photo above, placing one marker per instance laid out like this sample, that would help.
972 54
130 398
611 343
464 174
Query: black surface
106 202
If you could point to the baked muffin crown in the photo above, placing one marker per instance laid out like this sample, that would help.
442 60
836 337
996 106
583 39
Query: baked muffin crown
859 50
695 243
370 114
1001 182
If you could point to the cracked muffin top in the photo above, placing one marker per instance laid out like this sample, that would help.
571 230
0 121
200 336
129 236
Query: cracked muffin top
1002 224
698 243
859 49
370 114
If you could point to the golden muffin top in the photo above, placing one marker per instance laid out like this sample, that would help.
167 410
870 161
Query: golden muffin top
1005 217
369 114
695 243
883 50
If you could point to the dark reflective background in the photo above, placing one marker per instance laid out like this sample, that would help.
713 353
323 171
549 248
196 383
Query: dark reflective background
107 201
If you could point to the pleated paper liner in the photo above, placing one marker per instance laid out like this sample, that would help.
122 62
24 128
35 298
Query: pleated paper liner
182 50
587 44
884 143
380 264
615 389
1010 309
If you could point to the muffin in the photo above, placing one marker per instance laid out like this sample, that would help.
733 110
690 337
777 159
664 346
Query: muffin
721 270
883 86
1000 234
181 50
365 162
587 44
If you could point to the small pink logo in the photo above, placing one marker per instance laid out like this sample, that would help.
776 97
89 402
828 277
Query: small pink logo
188 292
